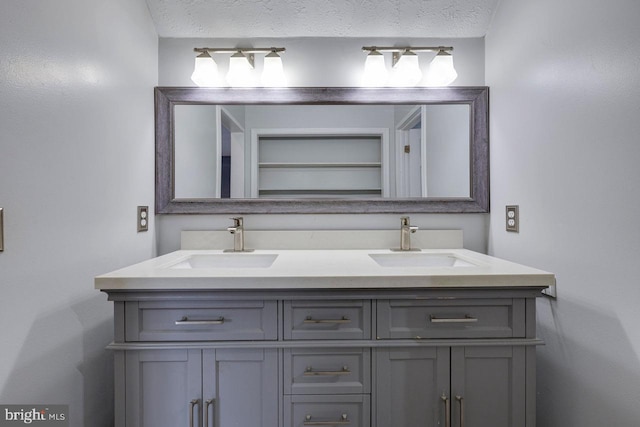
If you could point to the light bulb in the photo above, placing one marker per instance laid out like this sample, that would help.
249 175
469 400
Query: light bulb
205 71
441 71
407 70
375 70
239 70
273 72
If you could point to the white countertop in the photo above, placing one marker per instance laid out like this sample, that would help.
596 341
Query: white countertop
324 269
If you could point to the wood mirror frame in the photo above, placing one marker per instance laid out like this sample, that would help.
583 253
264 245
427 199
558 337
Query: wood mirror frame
476 97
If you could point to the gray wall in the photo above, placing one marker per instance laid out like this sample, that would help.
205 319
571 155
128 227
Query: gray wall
195 153
318 62
565 103
76 158
447 146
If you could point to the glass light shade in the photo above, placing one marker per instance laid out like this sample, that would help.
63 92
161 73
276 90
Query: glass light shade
441 71
375 70
273 71
239 73
407 70
205 71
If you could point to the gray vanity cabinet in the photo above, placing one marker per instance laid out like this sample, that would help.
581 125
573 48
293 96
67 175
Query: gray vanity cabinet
300 358
451 386
241 386
193 388
410 382
160 386
488 386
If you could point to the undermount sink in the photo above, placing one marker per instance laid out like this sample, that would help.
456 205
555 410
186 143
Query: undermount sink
417 259
228 260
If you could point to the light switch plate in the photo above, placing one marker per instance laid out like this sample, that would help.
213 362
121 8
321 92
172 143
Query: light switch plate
143 218
513 218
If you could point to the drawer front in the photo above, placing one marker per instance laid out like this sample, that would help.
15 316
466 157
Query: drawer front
325 320
201 321
495 318
346 410
327 371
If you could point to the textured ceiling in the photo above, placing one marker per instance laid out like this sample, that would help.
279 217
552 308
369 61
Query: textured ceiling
321 18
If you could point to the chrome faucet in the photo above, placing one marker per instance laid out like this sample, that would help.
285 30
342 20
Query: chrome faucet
238 234
405 233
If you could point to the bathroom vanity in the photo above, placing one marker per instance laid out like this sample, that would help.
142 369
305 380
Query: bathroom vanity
316 337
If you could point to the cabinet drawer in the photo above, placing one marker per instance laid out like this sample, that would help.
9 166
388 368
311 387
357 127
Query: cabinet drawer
494 318
327 371
322 320
201 321
347 410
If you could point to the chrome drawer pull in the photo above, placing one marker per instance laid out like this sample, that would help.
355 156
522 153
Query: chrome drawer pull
309 372
185 321
460 400
192 404
465 319
447 410
343 421
344 319
207 403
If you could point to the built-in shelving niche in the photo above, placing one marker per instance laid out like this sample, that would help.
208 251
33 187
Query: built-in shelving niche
321 163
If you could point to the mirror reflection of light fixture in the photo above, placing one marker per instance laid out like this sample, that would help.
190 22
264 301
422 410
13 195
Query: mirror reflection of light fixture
375 70
205 71
406 67
241 66
273 72
441 71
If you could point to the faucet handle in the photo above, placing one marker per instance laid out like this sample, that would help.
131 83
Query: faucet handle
405 222
237 221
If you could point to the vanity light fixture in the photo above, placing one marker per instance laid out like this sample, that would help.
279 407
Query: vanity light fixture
273 71
205 71
241 66
375 70
406 68
441 71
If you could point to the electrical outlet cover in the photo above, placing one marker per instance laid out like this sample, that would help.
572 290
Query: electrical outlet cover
513 218
143 218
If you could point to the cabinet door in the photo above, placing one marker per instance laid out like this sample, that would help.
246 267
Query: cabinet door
241 387
160 386
410 383
488 386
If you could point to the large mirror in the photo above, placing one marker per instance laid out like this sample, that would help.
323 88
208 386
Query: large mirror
322 150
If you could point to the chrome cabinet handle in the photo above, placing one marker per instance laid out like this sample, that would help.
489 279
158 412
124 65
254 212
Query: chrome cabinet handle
447 410
465 319
185 321
192 405
344 319
343 421
460 400
207 403
309 372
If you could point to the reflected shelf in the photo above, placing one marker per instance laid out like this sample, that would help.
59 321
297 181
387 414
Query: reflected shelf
321 165
369 192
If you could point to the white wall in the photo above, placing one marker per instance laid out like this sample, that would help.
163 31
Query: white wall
76 158
565 103
319 62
